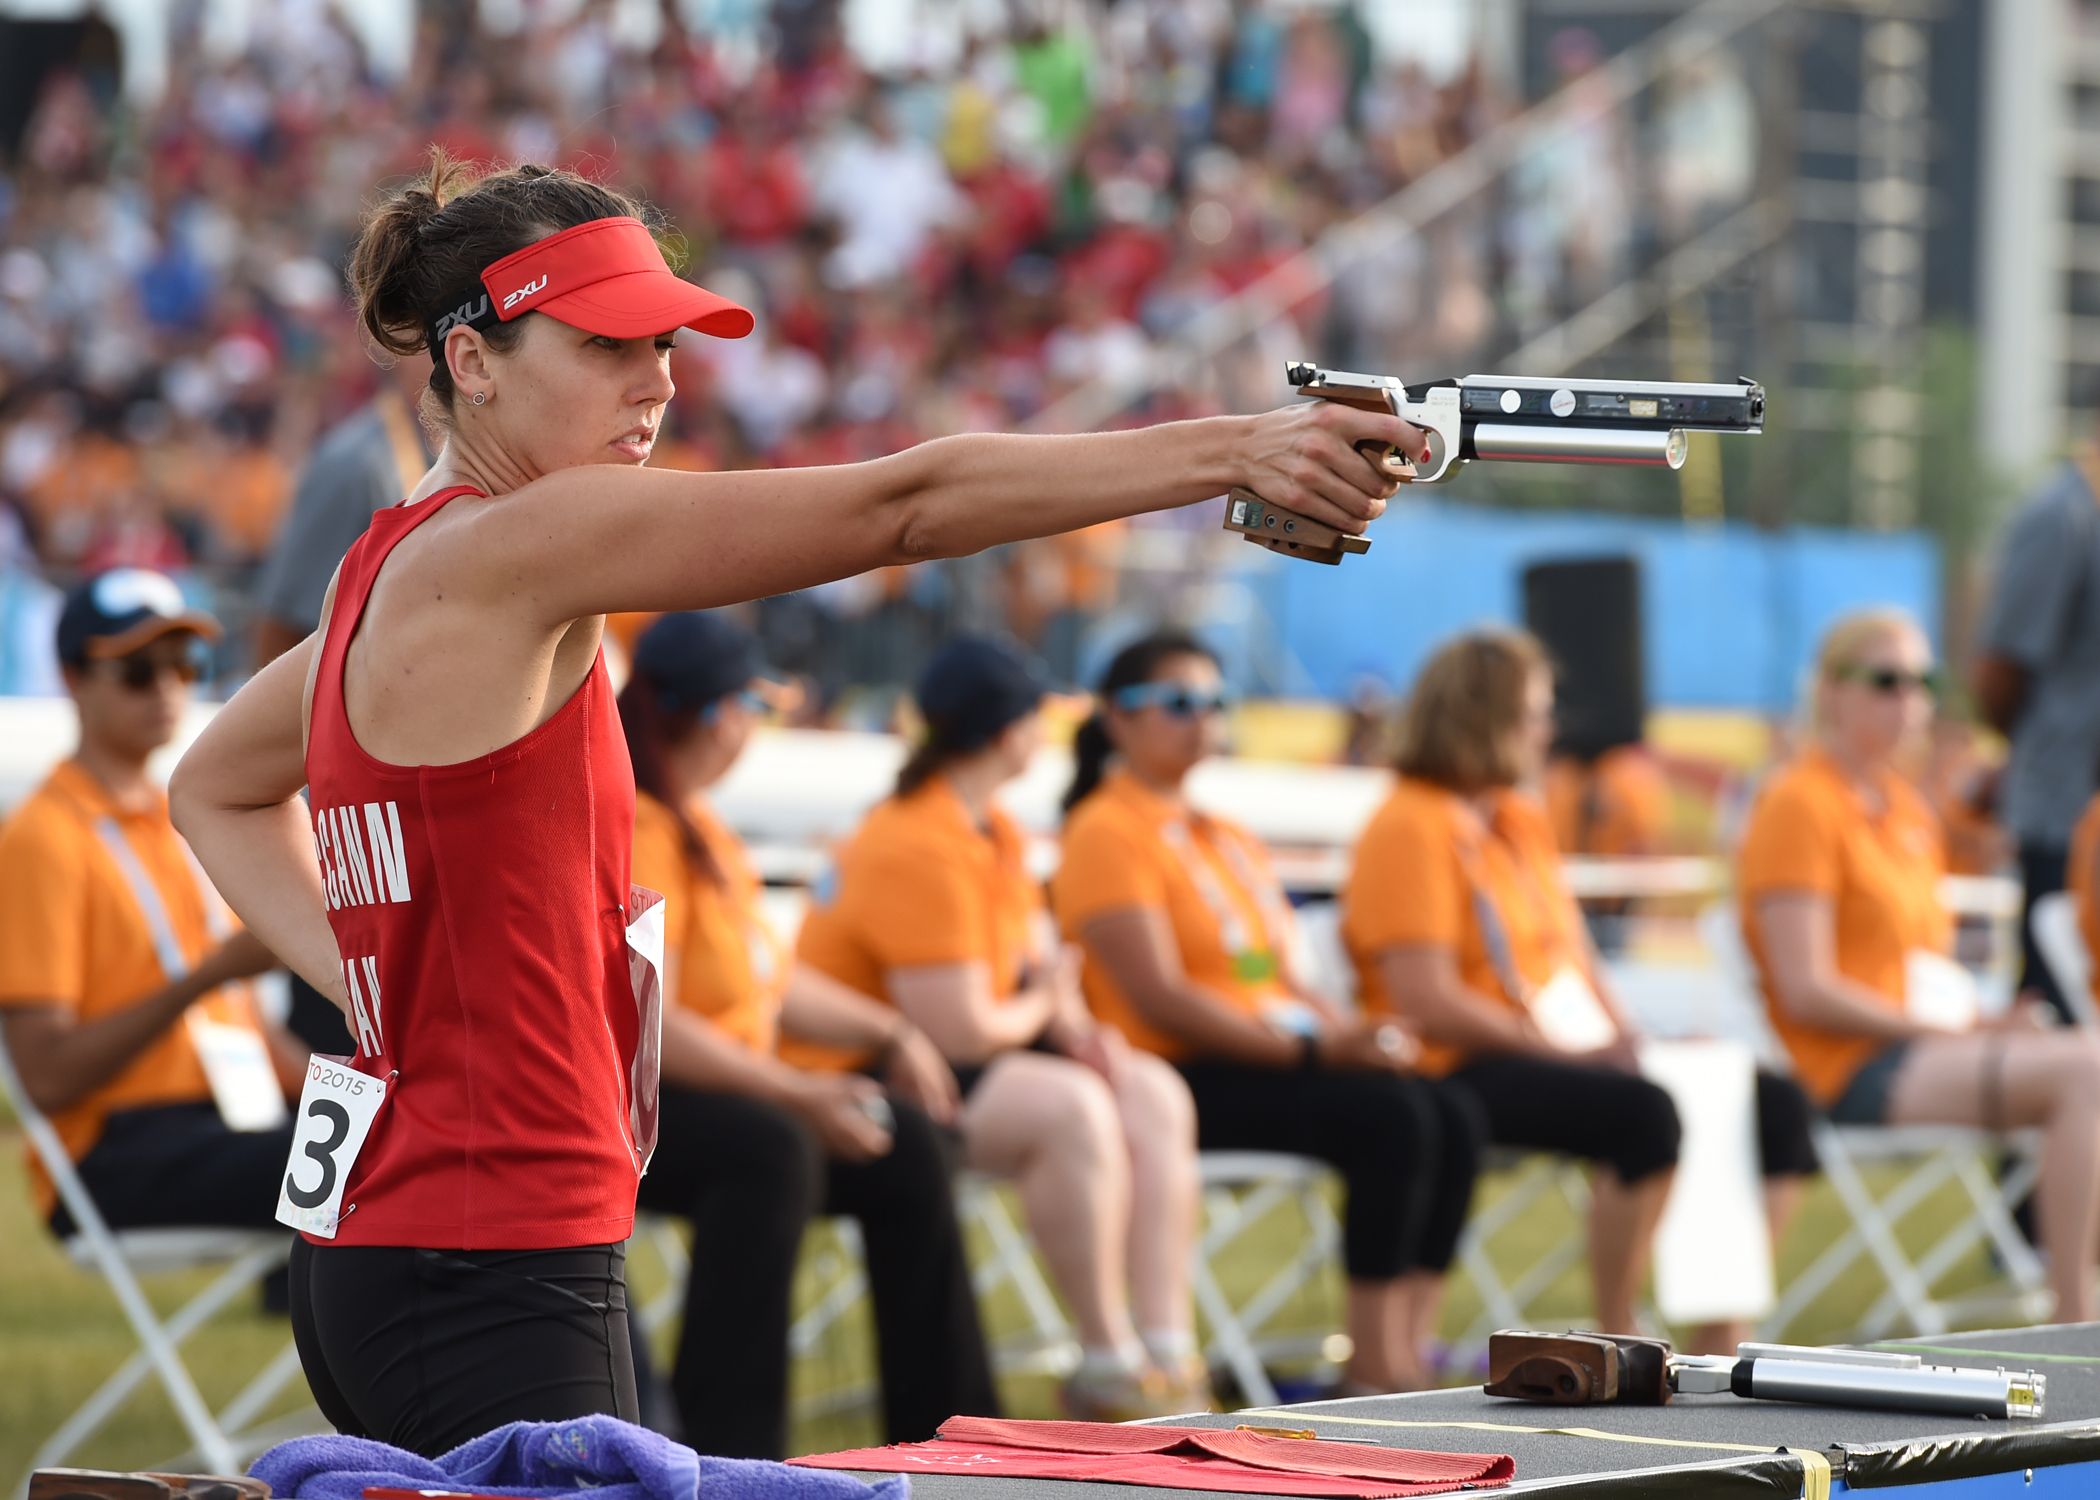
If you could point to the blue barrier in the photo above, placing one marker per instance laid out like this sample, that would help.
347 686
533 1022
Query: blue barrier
1730 613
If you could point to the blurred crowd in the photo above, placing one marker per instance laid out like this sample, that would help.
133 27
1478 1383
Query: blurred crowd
948 216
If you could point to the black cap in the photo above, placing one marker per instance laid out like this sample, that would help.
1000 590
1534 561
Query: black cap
696 658
115 613
973 688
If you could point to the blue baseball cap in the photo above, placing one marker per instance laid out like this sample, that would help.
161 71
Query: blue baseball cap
973 688
696 657
115 613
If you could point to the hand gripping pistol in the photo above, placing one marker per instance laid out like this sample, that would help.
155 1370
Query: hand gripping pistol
1504 419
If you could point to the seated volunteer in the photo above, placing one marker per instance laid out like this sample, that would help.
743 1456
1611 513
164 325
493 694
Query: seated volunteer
459 883
750 1148
1188 936
1461 924
932 908
1838 877
120 993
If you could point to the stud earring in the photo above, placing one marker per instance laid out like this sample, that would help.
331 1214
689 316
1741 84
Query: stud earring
481 398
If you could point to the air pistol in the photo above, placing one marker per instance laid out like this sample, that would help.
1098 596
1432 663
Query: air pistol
1505 419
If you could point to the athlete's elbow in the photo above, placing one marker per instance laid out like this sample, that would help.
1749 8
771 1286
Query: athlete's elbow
185 800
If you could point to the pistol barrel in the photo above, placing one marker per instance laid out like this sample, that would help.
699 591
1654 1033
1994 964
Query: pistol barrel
1514 443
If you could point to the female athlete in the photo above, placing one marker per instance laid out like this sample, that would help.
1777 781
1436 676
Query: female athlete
457 879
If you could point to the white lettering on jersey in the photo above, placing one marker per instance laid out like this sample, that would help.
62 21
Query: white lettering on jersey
346 833
371 964
368 1041
389 854
348 877
328 889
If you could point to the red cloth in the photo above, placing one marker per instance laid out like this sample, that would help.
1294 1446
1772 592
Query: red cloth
1178 1458
480 909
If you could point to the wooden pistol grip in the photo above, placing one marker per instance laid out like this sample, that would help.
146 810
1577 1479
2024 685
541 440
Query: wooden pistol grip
1286 531
1558 1369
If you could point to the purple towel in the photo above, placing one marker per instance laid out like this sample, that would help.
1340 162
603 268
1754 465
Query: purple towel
611 1459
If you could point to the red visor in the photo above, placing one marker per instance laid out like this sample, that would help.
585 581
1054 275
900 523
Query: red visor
608 277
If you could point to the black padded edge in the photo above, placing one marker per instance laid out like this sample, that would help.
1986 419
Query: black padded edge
1965 1456
1754 1476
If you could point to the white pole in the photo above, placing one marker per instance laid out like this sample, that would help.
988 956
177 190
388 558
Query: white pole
2021 315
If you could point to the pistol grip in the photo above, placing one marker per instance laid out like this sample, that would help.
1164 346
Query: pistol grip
1285 531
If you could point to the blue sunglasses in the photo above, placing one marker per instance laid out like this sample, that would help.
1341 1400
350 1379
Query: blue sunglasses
743 698
1176 698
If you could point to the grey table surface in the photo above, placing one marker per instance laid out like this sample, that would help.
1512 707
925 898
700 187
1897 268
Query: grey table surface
1640 1438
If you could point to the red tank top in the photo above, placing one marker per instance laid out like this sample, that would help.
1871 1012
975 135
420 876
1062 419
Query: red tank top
481 913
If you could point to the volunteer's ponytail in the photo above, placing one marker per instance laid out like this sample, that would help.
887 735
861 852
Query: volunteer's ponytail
1134 665
1091 749
651 731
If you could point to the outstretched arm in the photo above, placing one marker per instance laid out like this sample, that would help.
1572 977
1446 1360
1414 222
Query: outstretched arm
598 539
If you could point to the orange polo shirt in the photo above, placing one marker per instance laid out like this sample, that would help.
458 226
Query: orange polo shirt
1128 848
2078 875
732 966
1616 806
72 934
1810 834
1413 880
920 883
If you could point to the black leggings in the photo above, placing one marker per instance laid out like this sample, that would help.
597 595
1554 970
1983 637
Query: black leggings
425 1349
750 1175
1406 1147
1604 1115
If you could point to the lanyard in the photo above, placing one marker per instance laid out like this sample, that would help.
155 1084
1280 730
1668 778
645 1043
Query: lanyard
173 963
1494 932
1251 960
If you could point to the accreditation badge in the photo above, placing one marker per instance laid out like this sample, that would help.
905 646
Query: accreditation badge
1254 966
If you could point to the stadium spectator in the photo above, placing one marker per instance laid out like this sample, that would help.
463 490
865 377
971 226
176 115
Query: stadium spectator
1190 947
751 1148
1460 921
1064 167
121 993
1838 878
367 462
2037 681
933 908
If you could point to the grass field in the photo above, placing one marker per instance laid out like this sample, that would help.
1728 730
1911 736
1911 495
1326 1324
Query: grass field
61 1332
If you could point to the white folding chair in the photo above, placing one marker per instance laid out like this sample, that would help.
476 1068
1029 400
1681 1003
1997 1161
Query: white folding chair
225 1440
2054 923
1935 1155
1506 1297
1270 1181
1044 1346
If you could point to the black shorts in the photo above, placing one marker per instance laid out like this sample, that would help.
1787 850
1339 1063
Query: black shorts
178 1164
1865 1100
425 1349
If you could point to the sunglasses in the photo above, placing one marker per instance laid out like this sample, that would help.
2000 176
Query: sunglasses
1176 698
750 702
141 674
1892 680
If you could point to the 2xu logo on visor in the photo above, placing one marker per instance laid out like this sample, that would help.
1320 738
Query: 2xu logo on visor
607 277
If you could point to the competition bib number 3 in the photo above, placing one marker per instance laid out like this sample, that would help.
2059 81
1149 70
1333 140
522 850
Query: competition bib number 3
336 1110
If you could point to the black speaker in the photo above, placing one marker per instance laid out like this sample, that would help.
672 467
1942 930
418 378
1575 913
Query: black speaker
1587 611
